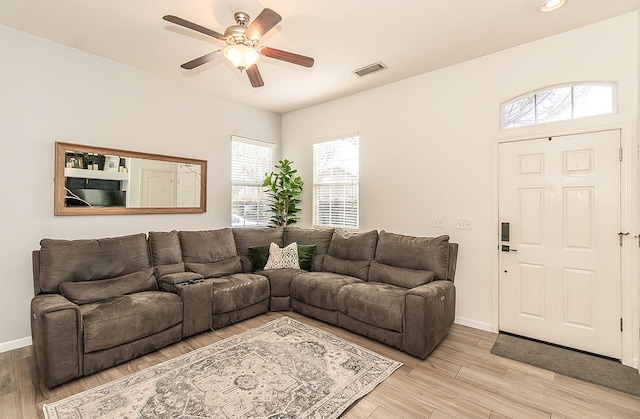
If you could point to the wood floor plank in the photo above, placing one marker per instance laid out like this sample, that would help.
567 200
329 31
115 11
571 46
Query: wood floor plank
444 401
532 394
382 413
492 400
441 415
363 410
460 378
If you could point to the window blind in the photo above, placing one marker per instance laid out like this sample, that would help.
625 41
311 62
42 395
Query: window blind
335 183
250 160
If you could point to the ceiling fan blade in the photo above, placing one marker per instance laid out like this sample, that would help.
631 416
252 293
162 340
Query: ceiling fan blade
202 60
254 76
290 57
266 20
190 25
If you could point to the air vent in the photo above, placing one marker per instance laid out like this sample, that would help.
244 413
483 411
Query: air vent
370 69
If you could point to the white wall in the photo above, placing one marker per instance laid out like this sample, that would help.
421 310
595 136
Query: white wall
426 143
50 92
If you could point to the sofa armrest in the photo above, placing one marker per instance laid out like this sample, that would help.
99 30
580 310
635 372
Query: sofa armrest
168 281
56 332
429 314
197 304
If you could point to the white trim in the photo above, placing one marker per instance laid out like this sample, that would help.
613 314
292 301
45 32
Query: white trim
254 142
628 219
15 344
472 323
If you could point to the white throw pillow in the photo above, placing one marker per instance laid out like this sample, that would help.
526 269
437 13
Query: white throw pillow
286 257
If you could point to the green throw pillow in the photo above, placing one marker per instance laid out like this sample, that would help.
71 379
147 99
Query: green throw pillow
260 254
305 256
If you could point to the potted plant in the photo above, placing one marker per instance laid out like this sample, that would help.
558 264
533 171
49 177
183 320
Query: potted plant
284 189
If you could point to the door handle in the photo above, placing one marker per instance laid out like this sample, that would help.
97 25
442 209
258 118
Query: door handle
638 237
506 248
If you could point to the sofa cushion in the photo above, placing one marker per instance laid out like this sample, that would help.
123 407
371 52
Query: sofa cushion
260 254
356 268
83 292
353 246
165 247
125 319
247 237
215 269
207 246
320 237
427 253
351 253
87 260
402 277
237 291
374 303
320 289
164 270
280 280
283 258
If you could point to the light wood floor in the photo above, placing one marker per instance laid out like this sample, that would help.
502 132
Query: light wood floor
460 379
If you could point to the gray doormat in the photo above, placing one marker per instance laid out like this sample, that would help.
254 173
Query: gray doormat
591 368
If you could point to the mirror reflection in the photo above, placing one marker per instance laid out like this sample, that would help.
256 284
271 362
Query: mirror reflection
97 180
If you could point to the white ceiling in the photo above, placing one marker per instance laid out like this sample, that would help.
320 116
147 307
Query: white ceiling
409 36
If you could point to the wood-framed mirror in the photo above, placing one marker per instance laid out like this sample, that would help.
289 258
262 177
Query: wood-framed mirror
98 180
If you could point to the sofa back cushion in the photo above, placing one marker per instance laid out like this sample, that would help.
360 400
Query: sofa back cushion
320 237
166 255
418 253
246 237
84 292
89 260
401 277
210 253
207 246
351 253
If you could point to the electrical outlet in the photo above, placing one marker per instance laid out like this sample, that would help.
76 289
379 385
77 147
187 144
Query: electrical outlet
463 224
438 222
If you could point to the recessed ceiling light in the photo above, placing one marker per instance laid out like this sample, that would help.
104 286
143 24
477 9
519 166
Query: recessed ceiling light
551 5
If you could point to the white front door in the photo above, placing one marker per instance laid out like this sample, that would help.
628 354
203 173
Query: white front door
560 280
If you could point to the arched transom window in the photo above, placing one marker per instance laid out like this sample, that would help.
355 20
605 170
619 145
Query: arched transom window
569 101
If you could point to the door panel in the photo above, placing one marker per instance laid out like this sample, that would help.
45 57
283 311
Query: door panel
560 282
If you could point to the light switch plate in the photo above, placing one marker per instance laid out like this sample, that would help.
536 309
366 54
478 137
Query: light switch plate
463 224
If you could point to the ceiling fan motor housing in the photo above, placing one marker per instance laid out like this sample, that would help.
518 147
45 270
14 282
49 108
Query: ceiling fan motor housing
237 34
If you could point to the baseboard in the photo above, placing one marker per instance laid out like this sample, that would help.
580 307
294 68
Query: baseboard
472 323
15 344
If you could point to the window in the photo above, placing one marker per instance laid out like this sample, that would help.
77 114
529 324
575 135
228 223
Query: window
250 160
559 104
335 183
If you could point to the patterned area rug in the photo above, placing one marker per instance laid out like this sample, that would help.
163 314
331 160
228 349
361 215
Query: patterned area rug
283 369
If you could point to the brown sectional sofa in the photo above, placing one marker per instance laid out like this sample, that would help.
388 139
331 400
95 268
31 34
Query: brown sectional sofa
102 302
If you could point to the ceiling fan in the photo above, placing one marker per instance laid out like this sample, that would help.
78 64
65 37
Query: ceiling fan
242 44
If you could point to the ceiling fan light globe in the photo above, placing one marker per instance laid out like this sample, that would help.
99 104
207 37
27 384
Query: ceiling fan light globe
242 56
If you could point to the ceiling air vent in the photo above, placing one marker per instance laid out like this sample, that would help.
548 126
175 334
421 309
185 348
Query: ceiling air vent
370 69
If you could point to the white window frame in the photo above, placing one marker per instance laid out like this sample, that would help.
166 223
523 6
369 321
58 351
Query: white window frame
338 187
532 94
264 164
